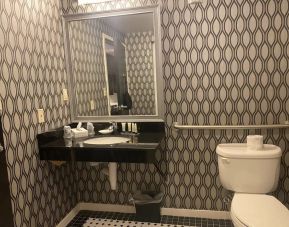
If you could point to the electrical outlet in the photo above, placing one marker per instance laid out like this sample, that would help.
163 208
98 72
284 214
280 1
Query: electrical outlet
40 114
92 105
104 92
65 94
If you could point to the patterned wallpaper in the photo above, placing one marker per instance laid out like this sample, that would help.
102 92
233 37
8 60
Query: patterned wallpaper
32 75
223 62
140 63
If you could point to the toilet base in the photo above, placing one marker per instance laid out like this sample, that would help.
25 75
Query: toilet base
236 221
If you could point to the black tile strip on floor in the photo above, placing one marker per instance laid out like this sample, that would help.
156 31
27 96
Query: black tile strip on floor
83 215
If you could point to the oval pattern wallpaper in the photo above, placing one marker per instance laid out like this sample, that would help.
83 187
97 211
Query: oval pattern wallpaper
224 62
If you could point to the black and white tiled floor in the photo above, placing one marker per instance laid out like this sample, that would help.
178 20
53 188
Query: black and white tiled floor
95 219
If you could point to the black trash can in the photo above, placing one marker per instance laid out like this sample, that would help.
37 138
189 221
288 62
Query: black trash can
148 206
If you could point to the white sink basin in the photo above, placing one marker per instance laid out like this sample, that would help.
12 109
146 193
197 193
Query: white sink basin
107 140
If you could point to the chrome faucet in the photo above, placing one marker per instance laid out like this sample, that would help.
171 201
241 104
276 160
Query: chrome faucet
113 126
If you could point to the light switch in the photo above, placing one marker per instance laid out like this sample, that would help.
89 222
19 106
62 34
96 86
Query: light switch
65 94
40 114
92 105
104 92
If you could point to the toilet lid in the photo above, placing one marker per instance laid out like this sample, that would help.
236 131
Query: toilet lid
259 210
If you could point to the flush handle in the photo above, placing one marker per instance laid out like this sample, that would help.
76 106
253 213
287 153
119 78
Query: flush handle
226 160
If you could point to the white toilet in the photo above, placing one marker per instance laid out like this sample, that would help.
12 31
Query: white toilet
252 174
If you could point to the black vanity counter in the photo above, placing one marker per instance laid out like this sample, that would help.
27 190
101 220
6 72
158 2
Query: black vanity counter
140 149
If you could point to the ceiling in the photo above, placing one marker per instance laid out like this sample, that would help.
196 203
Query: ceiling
131 23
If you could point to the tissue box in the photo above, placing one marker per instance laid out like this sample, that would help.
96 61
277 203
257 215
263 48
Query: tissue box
79 132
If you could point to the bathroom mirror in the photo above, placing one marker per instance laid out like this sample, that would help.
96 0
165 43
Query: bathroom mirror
114 64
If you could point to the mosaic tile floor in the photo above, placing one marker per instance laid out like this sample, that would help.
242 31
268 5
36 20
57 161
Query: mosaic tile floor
95 219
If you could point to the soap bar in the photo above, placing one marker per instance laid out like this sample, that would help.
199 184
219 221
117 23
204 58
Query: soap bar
79 132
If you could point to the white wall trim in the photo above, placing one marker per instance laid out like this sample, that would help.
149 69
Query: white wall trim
211 214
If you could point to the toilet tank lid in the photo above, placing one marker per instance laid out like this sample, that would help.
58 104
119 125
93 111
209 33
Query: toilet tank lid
259 210
239 150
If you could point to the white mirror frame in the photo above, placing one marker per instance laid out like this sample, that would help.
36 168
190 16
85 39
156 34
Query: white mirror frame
159 88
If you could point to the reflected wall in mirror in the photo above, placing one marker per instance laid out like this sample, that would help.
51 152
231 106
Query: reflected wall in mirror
113 65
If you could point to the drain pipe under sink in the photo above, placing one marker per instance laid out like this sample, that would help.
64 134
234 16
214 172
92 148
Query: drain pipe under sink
111 172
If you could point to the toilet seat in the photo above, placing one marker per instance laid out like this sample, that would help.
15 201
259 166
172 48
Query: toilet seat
258 210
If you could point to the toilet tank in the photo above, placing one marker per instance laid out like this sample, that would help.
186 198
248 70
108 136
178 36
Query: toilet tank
246 171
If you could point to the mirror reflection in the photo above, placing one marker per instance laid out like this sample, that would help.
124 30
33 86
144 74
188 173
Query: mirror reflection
113 65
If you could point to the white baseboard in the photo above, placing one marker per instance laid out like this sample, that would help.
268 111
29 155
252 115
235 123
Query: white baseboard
107 207
211 214
68 218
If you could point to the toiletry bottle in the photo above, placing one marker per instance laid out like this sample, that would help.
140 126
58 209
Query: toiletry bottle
129 127
90 129
67 134
123 125
135 128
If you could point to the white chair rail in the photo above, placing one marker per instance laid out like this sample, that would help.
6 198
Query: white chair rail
176 125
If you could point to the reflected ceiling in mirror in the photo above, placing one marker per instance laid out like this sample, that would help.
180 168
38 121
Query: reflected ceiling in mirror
113 67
